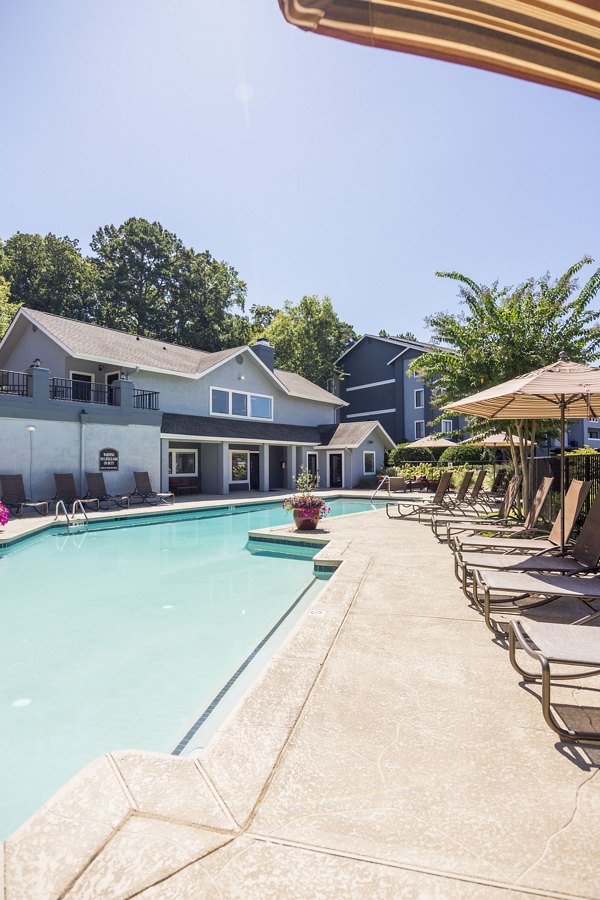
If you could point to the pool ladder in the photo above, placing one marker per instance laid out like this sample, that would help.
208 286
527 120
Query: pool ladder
71 520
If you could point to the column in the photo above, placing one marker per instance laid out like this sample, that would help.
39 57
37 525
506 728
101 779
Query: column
263 467
225 469
291 469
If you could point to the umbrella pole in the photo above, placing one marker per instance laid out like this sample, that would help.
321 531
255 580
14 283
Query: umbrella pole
562 474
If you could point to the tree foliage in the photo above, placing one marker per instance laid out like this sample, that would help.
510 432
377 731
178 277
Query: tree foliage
308 337
504 332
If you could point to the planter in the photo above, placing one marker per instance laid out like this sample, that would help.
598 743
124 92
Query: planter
304 522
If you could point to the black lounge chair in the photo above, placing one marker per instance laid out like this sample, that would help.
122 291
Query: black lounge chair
96 488
14 498
144 493
67 493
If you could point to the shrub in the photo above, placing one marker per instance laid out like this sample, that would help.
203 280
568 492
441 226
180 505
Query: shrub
582 451
463 454
404 454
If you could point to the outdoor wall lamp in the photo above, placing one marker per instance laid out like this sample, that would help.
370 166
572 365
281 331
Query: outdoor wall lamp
36 363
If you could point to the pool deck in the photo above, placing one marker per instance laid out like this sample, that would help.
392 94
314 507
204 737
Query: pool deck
388 750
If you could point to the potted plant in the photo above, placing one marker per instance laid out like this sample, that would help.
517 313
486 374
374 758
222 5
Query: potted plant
308 509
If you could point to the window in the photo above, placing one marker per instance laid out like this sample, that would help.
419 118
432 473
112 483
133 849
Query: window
447 426
260 407
183 462
219 402
419 398
594 434
224 402
311 463
239 465
368 462
239 404
419 430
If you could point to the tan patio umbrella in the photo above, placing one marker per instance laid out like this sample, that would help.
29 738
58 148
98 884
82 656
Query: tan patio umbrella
561 390
493 440
432 441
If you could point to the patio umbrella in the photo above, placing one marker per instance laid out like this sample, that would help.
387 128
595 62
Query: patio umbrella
432 441
493 440
563 389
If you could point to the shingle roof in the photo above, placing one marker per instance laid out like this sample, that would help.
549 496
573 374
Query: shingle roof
209 427
349 434
346 434
84 340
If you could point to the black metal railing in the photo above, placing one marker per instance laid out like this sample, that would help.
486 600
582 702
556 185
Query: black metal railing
145 399
79 391
16 383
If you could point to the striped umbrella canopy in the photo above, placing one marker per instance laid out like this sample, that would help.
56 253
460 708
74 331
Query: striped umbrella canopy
432 441
563 389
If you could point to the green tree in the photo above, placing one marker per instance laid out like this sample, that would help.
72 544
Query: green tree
149 283
505 332
50 274
7 309
308 337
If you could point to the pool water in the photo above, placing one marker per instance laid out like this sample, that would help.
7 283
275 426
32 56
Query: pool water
119 637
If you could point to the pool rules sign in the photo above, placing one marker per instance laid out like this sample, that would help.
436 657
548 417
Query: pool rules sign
109 460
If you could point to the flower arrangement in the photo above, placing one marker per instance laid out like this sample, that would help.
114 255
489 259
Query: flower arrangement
3 514
306 505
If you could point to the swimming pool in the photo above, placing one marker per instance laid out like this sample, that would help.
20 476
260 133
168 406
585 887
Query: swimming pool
121 635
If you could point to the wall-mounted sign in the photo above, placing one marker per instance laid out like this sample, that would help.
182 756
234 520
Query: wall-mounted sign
109 460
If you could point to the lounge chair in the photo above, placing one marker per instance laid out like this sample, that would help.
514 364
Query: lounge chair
67 493
97 488
144 493
405 510
523 537
553 645
446 525
14 498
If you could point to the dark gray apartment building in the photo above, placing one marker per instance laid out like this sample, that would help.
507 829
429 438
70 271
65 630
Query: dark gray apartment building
376 385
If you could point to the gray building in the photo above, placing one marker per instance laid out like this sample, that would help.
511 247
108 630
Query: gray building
376 384
198 422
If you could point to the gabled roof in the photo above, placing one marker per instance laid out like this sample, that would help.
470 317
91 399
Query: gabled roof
97 343
394 342
349 435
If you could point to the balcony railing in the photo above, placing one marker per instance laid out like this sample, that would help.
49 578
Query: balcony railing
16 383
145 399
79 391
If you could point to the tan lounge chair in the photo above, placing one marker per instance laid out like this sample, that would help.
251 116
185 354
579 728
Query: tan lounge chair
406 510
144 493
67 493
519 536
97 488
14 498
443 525
554 645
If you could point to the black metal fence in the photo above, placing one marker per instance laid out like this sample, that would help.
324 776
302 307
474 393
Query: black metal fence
16 383
584 467
145 399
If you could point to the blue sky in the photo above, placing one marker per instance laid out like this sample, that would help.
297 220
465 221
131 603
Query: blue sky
311 165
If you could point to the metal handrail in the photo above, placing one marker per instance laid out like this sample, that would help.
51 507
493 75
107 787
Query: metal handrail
385 480
61 505
78 503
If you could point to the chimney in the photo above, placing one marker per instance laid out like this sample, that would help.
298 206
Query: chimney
265 352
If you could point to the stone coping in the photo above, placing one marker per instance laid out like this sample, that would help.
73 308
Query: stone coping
387 750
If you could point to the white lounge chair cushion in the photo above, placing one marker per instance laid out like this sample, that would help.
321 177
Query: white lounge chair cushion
525 583
521 562
565 643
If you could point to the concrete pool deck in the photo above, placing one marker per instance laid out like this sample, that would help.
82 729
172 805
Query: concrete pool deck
388 750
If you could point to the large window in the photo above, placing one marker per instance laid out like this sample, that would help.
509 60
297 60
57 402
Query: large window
419 398
368 462
243 405
419 430
593 434
183 462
